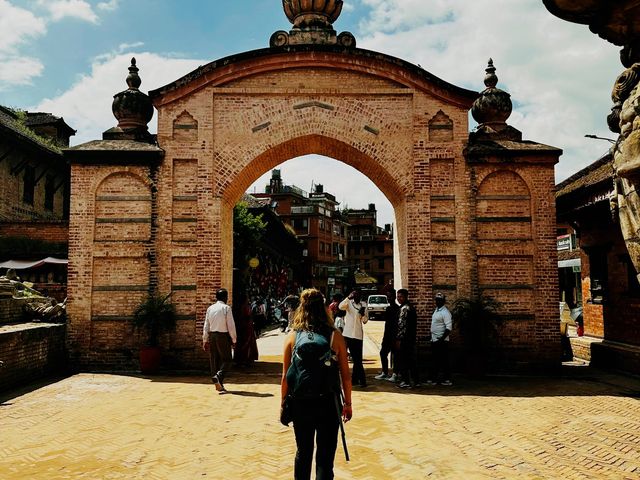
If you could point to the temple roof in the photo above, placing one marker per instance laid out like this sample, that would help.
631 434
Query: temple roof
598 172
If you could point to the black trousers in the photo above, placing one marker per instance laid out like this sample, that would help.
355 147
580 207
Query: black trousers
219 353
407 362
440 352
385 349
319 419
355 349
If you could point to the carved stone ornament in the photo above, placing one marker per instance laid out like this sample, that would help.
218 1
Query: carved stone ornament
132 108
625 120
312 24
492 109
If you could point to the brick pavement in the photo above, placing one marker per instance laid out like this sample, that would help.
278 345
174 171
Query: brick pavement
100 426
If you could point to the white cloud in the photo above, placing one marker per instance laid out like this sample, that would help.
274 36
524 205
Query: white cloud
60 9
18 70
128 46
559 74
17 27
109 6
86 106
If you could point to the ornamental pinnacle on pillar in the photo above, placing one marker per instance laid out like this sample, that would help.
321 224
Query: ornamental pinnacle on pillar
491 110
133 110
312 24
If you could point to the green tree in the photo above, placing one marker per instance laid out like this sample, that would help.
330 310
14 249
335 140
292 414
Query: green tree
248 230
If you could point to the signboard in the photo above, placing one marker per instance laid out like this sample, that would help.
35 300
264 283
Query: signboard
564 243
331 281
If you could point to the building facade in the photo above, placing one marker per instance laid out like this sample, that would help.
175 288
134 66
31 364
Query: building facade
318 224
610 289
370 246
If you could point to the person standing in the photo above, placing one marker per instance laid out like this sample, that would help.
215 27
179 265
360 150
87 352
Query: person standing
245 351
354 319
316 410
218 338
441 326
389 336
406 341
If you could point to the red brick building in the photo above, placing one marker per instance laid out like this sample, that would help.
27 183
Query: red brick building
34 195
370 246
610 288
319 226
473 212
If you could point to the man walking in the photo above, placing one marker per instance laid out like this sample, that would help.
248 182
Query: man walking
406 341
218 337
441 326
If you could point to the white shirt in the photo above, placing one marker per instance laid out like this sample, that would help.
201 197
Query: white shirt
353 321
440 321
219 319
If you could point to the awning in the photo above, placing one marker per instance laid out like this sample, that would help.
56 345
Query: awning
25 264
572 262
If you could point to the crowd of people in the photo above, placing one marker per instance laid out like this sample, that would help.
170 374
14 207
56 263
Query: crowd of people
316 382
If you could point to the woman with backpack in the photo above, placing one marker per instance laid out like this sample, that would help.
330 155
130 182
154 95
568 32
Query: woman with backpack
315 368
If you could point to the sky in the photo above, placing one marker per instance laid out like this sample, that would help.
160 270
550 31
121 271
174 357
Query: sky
69 57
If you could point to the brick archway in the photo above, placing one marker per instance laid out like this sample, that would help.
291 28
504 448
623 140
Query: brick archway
225 124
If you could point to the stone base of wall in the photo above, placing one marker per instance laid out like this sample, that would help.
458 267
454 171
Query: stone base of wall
606 354
30 351
11 310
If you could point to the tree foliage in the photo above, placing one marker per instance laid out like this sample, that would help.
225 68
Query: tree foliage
248 230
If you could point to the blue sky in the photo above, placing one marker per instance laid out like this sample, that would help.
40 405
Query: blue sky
69 57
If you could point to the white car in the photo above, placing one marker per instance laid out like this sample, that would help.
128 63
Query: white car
377 306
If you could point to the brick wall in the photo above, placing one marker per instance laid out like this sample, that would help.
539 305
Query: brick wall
11 310
47 231
31 351
222 131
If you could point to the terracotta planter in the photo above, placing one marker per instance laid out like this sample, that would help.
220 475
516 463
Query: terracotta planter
149 359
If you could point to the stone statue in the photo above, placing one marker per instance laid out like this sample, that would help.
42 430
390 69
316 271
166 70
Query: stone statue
625 120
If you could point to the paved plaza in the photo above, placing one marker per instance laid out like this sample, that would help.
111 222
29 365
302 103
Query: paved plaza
583 425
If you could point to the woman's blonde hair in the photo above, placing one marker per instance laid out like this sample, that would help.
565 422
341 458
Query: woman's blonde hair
311 313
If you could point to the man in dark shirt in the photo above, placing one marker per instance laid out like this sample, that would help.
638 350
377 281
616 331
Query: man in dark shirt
406 341
389 337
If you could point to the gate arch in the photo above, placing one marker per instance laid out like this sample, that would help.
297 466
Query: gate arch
223 125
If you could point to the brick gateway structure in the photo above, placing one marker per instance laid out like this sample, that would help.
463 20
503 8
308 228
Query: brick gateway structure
473 214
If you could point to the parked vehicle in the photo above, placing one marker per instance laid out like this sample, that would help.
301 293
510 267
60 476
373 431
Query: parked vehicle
377 306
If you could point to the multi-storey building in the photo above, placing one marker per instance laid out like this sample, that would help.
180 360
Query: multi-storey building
317 222
370 246
35 191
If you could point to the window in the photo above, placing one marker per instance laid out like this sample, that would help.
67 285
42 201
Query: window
49 192
381 248
381 263
336 248
321 222
366 250
321 247
367 265
300 223
29 184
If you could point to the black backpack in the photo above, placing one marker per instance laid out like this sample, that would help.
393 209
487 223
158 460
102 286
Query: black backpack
313 372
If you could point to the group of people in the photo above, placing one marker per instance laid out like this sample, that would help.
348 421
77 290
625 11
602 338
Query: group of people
316 384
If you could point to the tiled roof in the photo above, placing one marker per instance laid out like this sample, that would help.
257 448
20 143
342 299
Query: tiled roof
43 118
599 171
9 121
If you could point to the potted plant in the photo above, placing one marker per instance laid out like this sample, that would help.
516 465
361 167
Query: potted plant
479 322
156 315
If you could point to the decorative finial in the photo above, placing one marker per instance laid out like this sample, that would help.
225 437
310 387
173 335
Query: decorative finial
312 24
133 110
491 79
493 107
133 80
